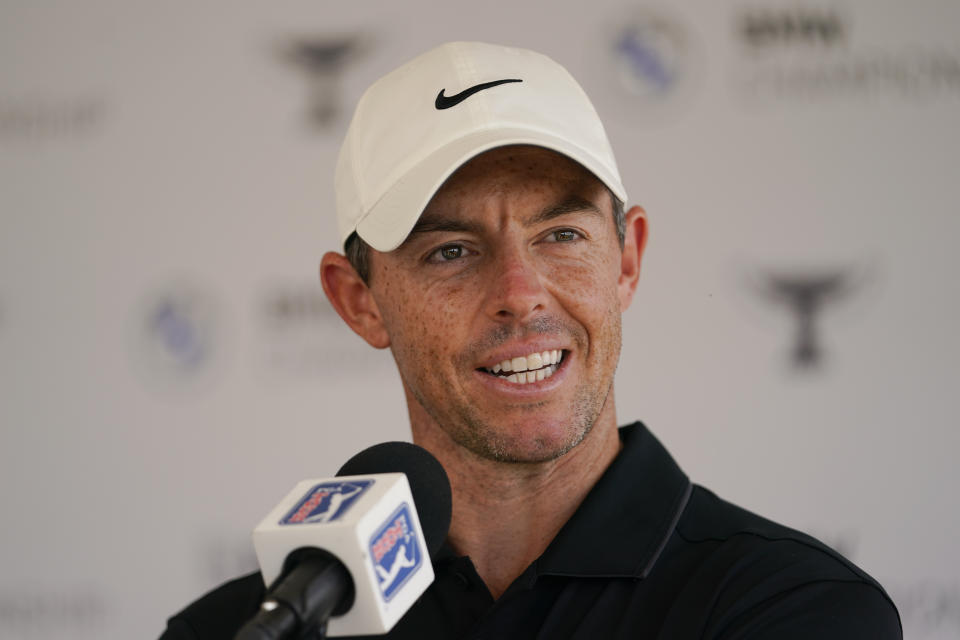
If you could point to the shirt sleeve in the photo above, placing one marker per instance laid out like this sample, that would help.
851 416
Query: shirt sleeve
219 614
825 610
177 629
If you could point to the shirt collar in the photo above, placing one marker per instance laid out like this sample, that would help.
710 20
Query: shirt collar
625 521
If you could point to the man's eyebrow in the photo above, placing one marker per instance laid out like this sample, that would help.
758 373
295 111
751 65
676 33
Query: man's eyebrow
433 225
570 204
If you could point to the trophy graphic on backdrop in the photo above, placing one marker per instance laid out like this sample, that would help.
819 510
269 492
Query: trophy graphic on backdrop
805 294
323 61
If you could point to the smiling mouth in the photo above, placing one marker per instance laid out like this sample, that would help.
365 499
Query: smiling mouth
530 368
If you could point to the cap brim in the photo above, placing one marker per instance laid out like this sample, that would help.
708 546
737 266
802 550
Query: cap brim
394 215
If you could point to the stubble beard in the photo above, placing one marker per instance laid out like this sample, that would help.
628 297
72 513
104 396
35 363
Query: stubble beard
470 429
479 436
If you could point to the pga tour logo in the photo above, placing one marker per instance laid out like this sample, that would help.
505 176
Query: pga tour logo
326 502
396 551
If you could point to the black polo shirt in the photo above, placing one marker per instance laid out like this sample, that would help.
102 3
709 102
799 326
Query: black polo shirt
647 555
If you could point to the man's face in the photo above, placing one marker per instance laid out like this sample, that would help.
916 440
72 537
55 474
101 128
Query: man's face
515 258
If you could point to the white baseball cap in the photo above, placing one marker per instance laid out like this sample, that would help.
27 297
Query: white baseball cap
416 125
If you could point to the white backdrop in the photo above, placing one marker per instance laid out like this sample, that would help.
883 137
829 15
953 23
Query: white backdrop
169 368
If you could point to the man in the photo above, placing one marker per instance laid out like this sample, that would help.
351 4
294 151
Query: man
487 246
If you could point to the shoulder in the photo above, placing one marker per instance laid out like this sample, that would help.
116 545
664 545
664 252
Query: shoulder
728 533
220 613
767 580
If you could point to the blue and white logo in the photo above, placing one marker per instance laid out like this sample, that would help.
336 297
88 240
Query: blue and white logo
326 502
396 551
179 335
652 53
653 61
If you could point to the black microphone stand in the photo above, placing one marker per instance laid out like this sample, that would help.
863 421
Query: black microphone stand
313 586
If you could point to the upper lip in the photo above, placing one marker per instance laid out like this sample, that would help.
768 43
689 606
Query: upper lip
520 350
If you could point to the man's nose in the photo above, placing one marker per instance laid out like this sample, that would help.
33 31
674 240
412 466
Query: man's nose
515 289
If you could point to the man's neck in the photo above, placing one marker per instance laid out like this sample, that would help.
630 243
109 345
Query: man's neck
506 514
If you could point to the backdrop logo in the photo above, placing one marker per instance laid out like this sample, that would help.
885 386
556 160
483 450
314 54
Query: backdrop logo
929 608
290 308
33 119
300 334
323 60
177 334
652 54
395 551
765 29
804 296
651 63
805 54
326 502
56 612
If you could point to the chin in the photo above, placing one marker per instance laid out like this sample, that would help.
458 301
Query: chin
525 445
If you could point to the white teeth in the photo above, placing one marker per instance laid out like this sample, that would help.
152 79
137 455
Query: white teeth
531 368
526 377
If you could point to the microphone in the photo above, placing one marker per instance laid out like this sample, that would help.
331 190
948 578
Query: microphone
349 555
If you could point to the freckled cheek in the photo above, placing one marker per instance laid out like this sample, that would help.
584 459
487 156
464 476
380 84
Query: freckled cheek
583 285
424 327
589 294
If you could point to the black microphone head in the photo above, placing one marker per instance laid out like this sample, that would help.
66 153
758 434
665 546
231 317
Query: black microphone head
428 483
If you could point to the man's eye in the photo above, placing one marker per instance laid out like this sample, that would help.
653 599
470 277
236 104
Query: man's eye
448 252
565 235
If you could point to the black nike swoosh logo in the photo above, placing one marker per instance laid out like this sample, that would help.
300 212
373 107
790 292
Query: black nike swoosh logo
445 102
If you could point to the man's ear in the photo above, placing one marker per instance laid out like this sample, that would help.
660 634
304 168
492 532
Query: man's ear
351 297
634 242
